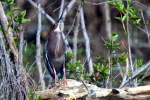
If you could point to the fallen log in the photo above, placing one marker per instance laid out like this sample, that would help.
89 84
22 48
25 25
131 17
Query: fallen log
78 90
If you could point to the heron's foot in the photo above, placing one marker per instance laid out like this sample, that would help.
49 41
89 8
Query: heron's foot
63 83
53 84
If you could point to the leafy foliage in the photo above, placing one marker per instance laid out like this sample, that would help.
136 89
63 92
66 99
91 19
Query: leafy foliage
127 11
102 70
33 96
9 2
138 62
68 55
113 43
15 15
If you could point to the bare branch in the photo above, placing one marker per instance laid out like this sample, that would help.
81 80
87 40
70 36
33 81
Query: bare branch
87 42
146 28
42 11
64 13
68 8
61 8
136 73
96 4
38 49
107 20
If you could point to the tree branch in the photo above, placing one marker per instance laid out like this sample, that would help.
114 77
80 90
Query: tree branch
61 8
87 42
38 48
42 11
68 8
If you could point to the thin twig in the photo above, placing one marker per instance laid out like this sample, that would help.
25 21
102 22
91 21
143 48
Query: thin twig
72 26
146 29
96 4
75 38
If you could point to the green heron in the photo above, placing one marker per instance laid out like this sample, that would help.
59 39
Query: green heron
55 54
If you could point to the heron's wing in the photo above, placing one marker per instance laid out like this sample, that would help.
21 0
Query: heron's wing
48 62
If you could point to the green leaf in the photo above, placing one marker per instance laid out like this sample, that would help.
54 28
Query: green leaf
23 13
10 2
69 54
115 37
122 58
138 21
118 18
138 62
25 21
124 18
9 13
38 98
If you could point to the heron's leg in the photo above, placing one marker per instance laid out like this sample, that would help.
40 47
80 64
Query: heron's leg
55 75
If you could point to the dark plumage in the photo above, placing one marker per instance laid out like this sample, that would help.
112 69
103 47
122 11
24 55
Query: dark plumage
54 54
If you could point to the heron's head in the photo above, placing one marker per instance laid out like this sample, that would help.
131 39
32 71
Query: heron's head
59 27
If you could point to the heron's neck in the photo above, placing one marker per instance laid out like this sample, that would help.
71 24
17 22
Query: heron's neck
57 29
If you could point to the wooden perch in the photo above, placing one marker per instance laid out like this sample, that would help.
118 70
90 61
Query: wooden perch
76 90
